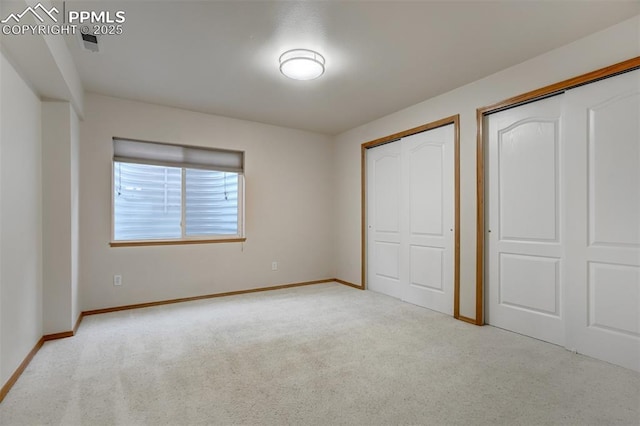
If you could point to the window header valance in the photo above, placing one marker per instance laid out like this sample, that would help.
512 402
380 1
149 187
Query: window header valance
160 154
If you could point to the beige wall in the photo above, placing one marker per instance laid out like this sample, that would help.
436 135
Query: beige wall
20 220
60 230
74 152
596 51
289 208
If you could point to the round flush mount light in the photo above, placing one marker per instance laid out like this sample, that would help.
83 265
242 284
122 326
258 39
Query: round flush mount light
302 64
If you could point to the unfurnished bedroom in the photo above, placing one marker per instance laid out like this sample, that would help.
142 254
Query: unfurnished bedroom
319 212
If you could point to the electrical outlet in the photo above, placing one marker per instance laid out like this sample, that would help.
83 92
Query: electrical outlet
274 266
117 280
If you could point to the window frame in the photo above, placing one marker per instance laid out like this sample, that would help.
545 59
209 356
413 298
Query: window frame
184 239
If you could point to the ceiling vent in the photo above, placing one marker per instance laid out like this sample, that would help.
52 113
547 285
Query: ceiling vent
90 42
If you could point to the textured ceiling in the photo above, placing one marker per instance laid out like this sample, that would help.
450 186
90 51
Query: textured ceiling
222 57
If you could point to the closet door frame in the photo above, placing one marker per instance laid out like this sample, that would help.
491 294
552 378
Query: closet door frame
534 95
455 120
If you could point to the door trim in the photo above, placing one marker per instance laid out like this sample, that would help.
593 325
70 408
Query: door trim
455 120
534 95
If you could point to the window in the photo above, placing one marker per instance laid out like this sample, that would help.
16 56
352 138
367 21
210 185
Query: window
173 194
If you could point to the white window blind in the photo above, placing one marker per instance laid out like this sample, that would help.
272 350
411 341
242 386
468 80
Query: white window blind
211 202
181 195
147 202
159 154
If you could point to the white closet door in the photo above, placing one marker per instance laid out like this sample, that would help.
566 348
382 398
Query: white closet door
525 241
602 129
384 172
410 214
429 190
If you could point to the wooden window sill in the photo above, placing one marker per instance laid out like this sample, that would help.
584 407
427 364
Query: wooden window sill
174 242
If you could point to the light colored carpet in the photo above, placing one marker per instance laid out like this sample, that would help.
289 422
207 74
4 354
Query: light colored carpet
322 354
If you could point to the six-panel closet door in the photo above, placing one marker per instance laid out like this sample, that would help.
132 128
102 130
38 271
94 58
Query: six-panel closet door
563 219
410 216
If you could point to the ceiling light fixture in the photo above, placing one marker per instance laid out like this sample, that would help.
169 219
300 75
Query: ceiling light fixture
302 64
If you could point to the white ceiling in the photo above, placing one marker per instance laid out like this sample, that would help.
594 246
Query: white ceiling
222 57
